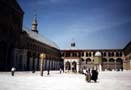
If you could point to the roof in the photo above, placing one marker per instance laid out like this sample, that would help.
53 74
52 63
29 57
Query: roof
40 38
91 50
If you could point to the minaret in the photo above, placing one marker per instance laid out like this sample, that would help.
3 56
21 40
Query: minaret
34 24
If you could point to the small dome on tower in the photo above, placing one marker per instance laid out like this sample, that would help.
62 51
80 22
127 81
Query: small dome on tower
34 24
98 54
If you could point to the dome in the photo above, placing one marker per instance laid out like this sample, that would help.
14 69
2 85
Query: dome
98 54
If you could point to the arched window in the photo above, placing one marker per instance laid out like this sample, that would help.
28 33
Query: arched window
120 54
117 54
67 66
111 60
86 54
119 60
104 60
109 54
104 53
112 54
88 60
89 54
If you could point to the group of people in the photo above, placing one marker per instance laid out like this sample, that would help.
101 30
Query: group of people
91 75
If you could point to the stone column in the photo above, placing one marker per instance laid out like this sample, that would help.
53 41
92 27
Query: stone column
100 68
36 61
115 65
70 65
77 67
130 64
107 64
47 66
52 63
64 66
31 61
55 65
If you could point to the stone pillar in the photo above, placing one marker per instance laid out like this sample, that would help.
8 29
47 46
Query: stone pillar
71 66
64 66
47 64
36 61
30 61
100 68
115 66
55 64
77 67
130 64
107 64
51 64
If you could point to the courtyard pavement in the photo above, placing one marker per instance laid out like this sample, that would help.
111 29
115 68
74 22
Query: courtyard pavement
66 81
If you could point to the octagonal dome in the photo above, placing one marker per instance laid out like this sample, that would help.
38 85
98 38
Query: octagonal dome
98 54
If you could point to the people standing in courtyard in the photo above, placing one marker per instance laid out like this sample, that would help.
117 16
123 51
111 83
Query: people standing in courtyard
84 71
88 76
48 71
13 71
94 75
60 70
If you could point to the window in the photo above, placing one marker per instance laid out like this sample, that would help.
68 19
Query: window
112 54
89 54
120 54
104 54
109 54
86 54
82 54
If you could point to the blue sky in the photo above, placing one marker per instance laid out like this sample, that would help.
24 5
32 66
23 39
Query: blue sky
92 24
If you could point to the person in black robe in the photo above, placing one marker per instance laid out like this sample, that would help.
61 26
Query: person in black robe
94 75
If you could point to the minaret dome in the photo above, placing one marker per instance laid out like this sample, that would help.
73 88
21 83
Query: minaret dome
34 24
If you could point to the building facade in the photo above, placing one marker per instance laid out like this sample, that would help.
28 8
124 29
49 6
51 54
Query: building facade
127 52
21 47
77 60
11 17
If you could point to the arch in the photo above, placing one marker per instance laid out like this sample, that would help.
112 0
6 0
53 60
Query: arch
109 54
74 66
104 54
111 64
111 60
120 54
119 64
104 60
89 54
88 60
67 65
119 60
104 64
86 54
112 54
81 60
117 54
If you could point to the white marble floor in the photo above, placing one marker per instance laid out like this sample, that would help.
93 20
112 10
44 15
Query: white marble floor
56 81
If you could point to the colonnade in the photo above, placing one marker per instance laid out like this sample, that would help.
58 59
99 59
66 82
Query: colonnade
71 66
